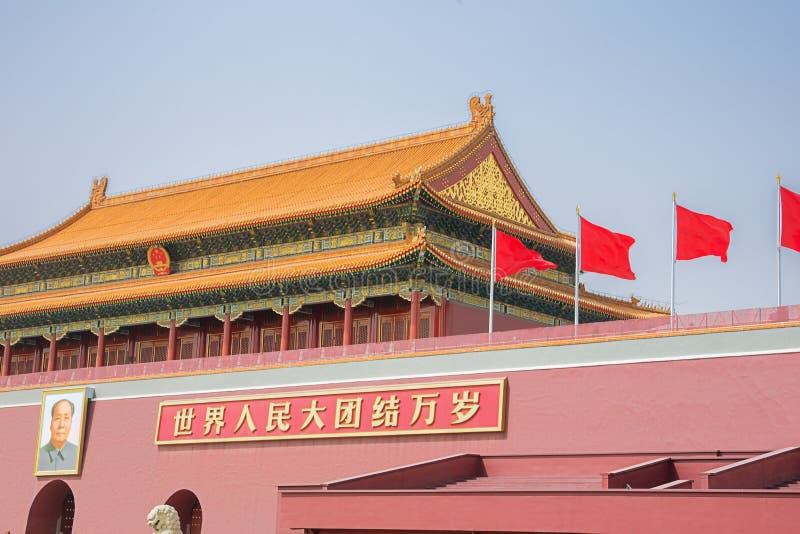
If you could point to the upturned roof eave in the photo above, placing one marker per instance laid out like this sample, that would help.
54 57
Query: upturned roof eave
150 290
621 309
560 240
195 233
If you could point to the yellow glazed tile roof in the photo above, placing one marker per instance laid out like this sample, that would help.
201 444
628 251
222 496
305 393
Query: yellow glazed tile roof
285 191
288 268
298 189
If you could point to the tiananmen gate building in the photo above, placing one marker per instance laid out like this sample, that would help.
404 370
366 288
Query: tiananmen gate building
303 347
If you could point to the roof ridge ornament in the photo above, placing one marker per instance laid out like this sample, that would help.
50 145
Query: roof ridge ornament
414 178
98 194
482 113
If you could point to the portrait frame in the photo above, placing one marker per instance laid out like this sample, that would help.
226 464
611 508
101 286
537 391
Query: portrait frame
46 453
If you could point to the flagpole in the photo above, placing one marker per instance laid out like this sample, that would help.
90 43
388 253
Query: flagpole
672 278
778 241
492 276
577 262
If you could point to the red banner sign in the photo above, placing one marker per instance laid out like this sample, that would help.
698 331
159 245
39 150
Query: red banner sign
454 407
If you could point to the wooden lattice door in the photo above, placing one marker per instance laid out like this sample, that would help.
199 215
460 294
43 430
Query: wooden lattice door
197 518
67 515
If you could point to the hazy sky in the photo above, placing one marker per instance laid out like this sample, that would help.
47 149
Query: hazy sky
610 105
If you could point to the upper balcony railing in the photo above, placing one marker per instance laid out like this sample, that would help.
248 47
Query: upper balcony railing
530 337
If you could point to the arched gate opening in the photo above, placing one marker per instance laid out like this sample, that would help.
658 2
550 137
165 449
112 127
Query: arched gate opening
53 510
188 507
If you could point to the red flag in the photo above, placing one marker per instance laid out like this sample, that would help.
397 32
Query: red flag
701 235
790 219
605 252
511 256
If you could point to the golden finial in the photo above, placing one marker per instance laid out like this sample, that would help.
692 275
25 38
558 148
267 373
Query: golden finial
482 113
779 178
674 196
98 191
577 209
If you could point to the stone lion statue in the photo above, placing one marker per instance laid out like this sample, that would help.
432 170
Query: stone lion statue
164 519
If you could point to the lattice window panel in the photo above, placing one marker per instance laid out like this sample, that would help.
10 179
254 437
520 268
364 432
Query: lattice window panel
360 331
331 334
115 355
425 325
397 327
21 364
270 340
299 338
214 345
152 351
240 342
67 359
161 350
185 348
146 353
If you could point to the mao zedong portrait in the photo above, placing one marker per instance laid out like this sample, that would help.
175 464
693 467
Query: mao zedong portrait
58 454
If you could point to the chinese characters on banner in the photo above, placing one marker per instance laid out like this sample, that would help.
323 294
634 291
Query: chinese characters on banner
477 406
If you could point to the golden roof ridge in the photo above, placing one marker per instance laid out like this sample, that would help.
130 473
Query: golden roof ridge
290 165
482 118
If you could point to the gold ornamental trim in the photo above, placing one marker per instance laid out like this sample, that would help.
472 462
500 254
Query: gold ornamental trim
487 189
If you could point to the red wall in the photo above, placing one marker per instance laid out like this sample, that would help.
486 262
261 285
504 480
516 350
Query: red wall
609 511
744 403
464 319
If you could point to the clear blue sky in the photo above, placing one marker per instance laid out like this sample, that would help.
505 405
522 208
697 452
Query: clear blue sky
610 105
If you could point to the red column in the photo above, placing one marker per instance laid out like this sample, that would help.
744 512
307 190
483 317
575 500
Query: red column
37 358
83 355
313 333
200 338
173 338
6 358
373 325
442 320
130 347
100 359
414 328
226 335
347 335
285 328
51 358
255 337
